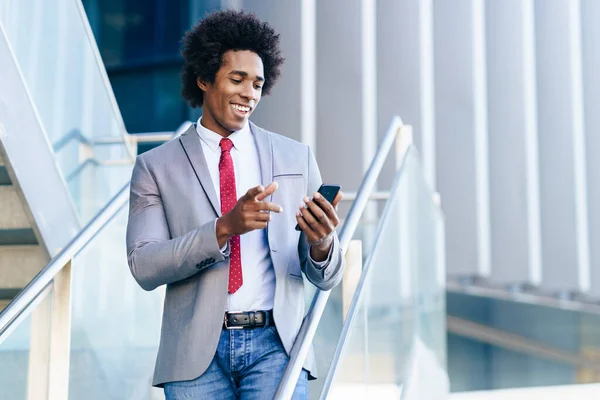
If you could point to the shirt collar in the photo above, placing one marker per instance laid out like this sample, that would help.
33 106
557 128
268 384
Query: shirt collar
212 139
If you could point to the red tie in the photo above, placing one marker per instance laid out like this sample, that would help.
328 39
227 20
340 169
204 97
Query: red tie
228 200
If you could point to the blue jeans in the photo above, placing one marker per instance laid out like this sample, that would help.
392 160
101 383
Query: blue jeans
248 365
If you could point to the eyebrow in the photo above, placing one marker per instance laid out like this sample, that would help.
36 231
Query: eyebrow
245 75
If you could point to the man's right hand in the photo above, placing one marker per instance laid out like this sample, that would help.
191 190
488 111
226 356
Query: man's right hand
249 213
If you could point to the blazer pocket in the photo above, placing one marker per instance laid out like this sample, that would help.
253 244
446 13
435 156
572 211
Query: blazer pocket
283 176
289 194
294 270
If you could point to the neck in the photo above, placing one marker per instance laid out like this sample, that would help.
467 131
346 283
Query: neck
210 123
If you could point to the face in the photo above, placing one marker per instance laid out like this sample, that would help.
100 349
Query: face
235 93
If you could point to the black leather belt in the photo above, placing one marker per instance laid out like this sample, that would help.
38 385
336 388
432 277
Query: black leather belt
247 319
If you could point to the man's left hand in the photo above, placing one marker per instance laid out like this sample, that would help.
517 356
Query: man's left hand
318 220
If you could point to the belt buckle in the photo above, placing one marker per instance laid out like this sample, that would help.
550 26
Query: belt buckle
232 313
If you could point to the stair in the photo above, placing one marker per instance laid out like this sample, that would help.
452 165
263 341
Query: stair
21 256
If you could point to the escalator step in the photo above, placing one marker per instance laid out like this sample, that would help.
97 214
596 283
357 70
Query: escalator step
4 178
16 237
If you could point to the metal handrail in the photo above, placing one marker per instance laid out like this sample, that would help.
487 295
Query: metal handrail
146 137
379 195
150 137
309 327
41 282
354 305
22 302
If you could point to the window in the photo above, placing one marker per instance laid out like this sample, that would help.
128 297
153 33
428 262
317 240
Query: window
139 44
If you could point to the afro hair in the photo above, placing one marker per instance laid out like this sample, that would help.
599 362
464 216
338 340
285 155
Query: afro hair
205 44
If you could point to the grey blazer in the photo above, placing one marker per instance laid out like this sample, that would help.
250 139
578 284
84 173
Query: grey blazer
171 241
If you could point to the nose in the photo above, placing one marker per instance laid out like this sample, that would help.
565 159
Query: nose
248 91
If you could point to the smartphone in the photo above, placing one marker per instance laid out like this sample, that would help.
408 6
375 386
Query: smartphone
328 192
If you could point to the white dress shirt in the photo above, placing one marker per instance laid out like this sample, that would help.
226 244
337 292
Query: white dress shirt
258 289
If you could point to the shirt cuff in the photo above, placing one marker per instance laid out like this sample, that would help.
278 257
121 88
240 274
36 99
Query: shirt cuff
321 264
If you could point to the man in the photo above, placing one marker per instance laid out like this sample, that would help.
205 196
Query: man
212 216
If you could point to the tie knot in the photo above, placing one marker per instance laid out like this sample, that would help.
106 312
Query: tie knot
226 144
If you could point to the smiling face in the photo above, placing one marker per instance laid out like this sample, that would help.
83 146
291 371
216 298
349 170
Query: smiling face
235 93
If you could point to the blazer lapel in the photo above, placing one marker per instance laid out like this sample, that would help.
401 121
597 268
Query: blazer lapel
193 149
265 153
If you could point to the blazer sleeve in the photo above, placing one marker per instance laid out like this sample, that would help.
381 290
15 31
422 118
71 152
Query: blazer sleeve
154 257
326 274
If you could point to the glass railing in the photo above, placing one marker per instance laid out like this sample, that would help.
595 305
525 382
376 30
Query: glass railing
329 330
395 323
90 330
67 83
115 324
402 316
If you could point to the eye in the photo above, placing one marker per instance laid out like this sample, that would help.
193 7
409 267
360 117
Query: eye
236 81
258 87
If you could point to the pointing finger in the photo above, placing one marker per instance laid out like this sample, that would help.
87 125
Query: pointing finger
269 190
268 206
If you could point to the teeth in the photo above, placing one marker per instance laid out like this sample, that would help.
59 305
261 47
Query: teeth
241 108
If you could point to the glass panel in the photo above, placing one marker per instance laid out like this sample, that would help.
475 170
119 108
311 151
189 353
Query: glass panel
399 320
115 324
150 100
27 343
67 84
330 327
132 33
95 184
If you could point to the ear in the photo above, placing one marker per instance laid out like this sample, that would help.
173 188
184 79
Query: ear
201 84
